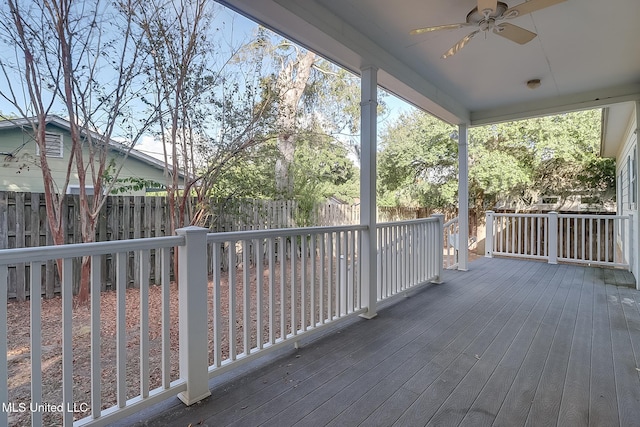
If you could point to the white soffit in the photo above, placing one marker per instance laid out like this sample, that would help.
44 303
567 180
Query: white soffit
616 123
585 54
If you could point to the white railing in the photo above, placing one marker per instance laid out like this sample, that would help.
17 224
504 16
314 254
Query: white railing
54 409
268 289
576 238
451 230
409 254
517 235
284 284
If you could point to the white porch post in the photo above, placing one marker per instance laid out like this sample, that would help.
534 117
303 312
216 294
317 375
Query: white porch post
192 314
368 139
463 197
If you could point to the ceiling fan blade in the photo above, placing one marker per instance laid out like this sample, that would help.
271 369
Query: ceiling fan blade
458 46
514 33
528 7
438 28
487 5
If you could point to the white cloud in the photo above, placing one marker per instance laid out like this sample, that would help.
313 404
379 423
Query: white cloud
150 146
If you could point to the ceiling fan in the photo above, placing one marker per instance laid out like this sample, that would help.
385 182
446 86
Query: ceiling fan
489 16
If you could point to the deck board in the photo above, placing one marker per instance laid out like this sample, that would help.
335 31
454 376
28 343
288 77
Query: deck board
603 407
536 337
546 403
512 319
625 368
574 407
510 342
488 403
477 339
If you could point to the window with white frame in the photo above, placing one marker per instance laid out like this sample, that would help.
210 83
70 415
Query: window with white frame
75 189
52 145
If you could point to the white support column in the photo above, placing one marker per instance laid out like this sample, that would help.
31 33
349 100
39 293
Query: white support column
463 197
368 145
192 313
636 234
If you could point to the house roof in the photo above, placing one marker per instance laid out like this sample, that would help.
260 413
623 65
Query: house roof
585 53
116 146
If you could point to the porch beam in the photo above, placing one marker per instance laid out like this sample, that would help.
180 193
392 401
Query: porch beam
368 144
556 105
463 197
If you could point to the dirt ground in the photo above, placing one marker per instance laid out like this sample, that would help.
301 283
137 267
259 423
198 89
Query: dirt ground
19 358
19 351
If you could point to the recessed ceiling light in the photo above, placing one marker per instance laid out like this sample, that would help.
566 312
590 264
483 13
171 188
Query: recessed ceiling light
533 83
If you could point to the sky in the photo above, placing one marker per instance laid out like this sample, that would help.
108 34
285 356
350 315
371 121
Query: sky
236 29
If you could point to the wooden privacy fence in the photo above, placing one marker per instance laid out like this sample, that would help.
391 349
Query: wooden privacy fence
23 223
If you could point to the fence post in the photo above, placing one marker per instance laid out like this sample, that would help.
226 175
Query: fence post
552 237
439 248
193 326
488 239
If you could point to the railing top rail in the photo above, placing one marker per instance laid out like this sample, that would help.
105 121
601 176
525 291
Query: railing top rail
407 222
520 215
566 215
279 232
45 253
450 222
593 216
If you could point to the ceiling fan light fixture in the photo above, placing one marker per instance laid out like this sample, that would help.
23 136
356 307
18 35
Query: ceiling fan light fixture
533 83
489 15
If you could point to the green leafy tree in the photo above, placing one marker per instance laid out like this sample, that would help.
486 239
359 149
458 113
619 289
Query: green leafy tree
520 161
306 95
417 163
322 170
525 160
249 175
209 112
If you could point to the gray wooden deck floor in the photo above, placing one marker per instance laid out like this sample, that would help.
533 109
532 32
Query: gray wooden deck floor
508 343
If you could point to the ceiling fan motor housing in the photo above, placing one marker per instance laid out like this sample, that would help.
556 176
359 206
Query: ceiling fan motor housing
477 16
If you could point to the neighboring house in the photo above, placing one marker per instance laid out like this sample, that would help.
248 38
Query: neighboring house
620 140
572 203
19 159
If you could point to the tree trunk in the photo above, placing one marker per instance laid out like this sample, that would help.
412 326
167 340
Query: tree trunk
291 82
88 236
284 174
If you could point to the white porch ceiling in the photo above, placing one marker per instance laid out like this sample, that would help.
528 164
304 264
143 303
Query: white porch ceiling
587 53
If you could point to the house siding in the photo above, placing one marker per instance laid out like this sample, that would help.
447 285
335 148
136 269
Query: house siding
624 173
21 172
